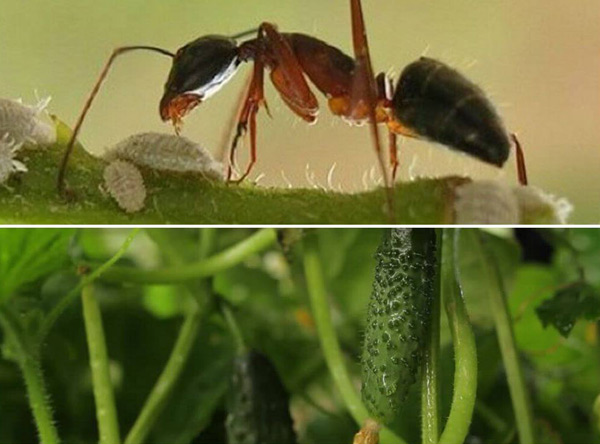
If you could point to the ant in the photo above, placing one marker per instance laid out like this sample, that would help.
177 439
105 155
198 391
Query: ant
431 100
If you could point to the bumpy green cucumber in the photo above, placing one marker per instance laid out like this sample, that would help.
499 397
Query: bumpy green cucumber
258 405
398 318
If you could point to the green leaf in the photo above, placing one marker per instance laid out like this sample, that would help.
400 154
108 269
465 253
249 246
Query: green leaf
579 300
507 258
29 254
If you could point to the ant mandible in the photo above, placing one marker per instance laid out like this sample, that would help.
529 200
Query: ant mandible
431 101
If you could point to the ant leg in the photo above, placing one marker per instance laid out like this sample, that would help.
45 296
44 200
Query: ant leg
364 87
116 52
393 146
287 74
385 92
252 147
521 170
226 136
254 99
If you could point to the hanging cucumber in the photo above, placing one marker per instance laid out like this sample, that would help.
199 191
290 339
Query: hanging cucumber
258 405
398 318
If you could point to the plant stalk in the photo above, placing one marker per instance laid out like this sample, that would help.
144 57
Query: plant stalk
430 410
329 341
30 366
506 338
106 410
201 269
38 399
234 329
159 395
463 339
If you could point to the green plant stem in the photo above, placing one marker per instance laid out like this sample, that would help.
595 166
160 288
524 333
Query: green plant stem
329 342
38 399
430 410
465 353
88 279
159 395
490 417
234 329
506 339
176 198
106 410
29 363
203 268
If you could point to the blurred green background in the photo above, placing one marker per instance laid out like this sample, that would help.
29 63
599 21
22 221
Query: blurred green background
537 59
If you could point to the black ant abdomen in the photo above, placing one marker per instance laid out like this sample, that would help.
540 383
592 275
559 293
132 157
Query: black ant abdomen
440 104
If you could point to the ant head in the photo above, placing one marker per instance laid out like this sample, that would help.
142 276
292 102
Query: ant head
199 70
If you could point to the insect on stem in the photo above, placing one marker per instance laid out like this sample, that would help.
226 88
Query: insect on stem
117 52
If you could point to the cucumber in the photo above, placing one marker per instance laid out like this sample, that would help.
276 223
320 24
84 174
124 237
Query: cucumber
258 404
398 318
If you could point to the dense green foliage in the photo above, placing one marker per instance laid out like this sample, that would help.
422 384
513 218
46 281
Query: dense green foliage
266 291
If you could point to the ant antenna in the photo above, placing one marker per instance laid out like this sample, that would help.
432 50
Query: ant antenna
117 52
244 34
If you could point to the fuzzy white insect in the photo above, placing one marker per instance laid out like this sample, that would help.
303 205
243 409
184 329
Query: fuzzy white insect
23 124
167 153
125 184
537 206
486 202
8 162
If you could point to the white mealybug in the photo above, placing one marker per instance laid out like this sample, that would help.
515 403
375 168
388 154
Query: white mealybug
539 207
125 184
22 123
486 202
8 162
166 152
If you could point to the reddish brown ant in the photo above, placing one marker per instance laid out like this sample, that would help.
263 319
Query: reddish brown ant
431 100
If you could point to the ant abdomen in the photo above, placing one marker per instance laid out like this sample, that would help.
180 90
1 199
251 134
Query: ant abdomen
440 104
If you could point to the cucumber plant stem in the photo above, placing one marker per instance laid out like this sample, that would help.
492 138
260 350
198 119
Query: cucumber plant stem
29 363
106 410
493 420
38 399
506 339
329 341
188 333
234 329
158 397
430 413
465 353
203 268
